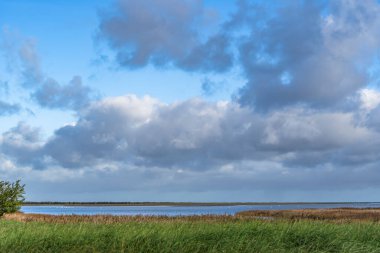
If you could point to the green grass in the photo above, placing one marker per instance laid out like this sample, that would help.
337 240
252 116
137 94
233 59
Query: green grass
186 236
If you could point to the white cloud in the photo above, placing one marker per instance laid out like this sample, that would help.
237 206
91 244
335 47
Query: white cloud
369 99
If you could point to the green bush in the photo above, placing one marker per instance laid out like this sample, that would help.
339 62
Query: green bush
11 196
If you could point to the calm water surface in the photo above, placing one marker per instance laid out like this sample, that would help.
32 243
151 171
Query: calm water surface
177 210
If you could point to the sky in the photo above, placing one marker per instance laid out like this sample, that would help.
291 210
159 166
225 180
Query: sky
191 100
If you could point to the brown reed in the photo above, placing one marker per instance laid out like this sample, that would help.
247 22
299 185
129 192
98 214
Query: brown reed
111 219
333 214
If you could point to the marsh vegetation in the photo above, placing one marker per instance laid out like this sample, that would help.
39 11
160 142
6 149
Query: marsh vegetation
339 230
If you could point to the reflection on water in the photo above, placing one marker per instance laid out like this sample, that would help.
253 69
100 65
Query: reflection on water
177 210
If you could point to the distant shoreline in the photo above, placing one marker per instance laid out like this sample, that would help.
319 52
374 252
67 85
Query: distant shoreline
54 203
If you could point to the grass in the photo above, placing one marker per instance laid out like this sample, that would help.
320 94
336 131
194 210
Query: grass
240 233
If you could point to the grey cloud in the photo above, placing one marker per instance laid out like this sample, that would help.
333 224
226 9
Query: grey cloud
295 53
214 55
164 33
209 87
20 55
373 119
23 144
8 47
243 181
198 135
45 90
193 145
31 69
102 133
212 87
73 96
309 53
185 134
8 109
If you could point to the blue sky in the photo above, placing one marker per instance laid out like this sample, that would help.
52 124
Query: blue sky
64 36
193 100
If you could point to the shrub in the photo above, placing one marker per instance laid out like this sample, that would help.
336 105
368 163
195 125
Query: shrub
11 196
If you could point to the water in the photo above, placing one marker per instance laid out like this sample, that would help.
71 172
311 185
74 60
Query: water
179 210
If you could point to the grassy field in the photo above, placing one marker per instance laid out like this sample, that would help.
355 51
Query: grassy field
241 233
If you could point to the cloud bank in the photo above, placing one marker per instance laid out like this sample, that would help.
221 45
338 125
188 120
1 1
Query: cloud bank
196 145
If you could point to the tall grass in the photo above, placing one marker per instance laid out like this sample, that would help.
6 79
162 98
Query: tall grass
331 214
110 219
229 235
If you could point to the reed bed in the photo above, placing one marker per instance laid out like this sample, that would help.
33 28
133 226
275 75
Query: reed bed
112 219
331 214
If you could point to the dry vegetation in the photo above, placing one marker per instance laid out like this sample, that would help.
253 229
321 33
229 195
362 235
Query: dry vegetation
332 214
112 219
